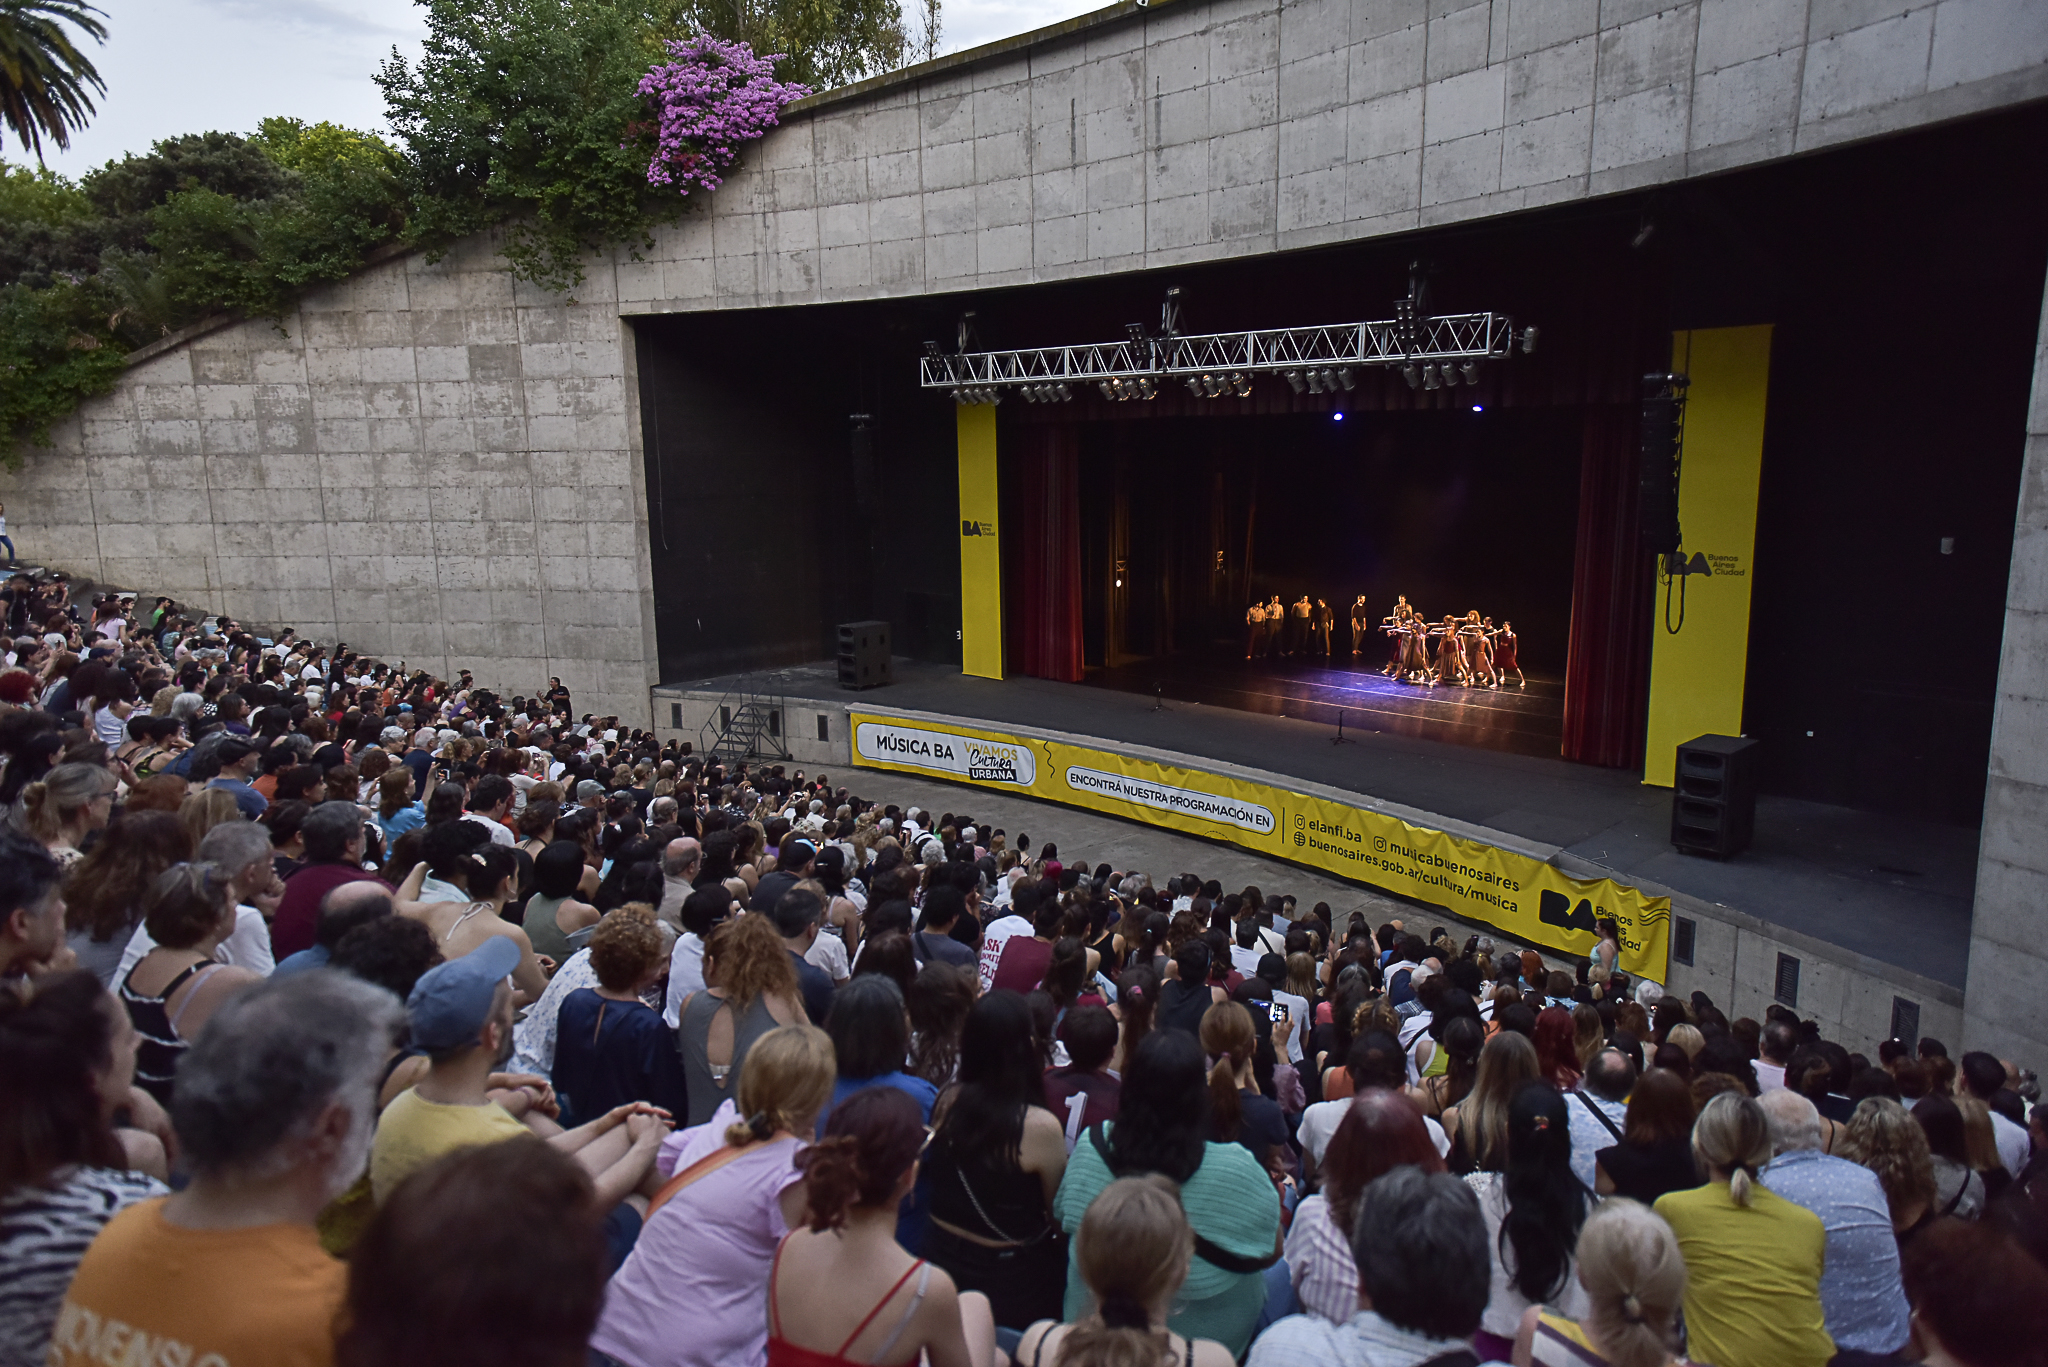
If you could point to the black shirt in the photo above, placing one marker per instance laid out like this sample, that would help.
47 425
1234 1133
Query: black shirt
1643 1172
816 985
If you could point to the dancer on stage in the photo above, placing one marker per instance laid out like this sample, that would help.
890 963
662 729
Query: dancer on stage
1254 629
1361 622
1450 653
1323 621
1478 651
1276 628
1396 629
1298 627
1505 643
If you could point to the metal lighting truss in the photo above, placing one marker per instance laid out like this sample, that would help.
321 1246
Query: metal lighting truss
1432 352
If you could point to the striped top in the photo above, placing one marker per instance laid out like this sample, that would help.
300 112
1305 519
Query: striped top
159 1046
44 1232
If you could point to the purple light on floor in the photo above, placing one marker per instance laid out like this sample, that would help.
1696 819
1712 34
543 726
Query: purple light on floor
1338 416
1478 408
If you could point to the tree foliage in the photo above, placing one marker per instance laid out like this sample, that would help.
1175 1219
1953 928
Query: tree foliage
44 79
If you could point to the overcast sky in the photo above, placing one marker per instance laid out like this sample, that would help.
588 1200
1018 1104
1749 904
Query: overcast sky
184 66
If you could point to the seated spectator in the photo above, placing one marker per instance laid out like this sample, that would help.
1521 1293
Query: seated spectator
1478 1126
690 1293
273 1114
1375 1060
461 1016
31 909
1381 1130
871 1039
1133 1250
176 987
553 913
993 1168
934 937
103 892
1534 1209
1860 1290
841 1289
1958 1189
1162 1128
66 806
484 873
333 832
1598 1109
796 921
67 1060
751 989
1984 1077
241 852
391 951
1239 1113
1978 1300
1084 1093
1883 1138
1420 1246
1187 996
1655 1154
1753 1259
396 812
487 1256
611 1048
699 912
1633 1280
1022 964
341 911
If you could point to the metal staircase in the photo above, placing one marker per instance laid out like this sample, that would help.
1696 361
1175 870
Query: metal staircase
747 724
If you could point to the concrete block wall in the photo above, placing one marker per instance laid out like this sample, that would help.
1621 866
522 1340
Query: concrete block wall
429 462
2007 1012
1197 130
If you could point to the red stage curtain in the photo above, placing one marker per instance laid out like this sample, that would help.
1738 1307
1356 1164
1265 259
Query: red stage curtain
1046 525
1607 673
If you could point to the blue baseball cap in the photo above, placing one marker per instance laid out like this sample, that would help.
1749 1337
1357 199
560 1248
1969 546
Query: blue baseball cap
451 1001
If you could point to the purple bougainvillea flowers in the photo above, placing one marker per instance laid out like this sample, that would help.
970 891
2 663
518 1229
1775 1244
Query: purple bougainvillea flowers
707 99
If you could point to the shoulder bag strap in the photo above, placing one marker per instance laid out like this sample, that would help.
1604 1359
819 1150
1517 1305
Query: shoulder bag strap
1599 1115
702 1168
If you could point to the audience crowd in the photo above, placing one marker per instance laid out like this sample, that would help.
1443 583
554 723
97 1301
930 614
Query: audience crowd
352 1015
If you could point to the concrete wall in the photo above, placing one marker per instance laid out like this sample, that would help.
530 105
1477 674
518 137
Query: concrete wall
1735 956
2008 1013
435 464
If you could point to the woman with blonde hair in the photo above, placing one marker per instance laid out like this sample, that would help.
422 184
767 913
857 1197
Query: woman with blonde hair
68 804
1132 1250
1884 1137
690 1291
1589 1037
1687 1037
205 809
1634 1280
1753 1259
1478 1125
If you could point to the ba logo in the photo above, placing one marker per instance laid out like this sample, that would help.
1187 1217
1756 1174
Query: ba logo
968 528
1379 844
1556 909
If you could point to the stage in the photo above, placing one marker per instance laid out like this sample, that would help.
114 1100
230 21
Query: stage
1895 889
1517 721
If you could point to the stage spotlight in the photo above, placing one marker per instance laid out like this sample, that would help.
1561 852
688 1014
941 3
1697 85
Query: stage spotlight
1411 375
1147 389
1471 370
1195 385
1528 340
1294 379
1344 378
1030 393
1065 393
1103 385
1450 374
1329 381
959 396
1243 384
1136 332
1315 383
1430 378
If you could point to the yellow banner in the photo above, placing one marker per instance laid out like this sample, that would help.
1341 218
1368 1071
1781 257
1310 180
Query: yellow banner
1697 674
1523 897
981 556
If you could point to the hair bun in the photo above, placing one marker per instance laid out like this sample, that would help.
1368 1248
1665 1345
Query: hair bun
1632 1308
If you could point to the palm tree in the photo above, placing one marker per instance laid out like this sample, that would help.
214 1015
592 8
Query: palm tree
43 77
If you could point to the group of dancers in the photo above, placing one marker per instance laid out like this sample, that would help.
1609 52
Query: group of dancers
1469 651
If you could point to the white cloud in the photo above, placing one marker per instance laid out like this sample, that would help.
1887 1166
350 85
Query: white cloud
186 66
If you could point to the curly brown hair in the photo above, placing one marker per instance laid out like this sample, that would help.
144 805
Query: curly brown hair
747 959
624 946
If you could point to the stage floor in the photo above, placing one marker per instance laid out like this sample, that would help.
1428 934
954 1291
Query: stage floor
1894 888
1518 721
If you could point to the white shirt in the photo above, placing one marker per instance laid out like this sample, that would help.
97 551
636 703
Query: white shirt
500 833
1589 1136
1246 961
1320 1121
828 952
247 947
1367 1341
1770 1077
1504 1307
1297 1016
2014 1147
534 1037
685 975
993 938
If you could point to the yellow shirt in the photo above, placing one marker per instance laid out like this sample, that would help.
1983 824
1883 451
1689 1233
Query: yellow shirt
151 1291
414 1131
1752 1284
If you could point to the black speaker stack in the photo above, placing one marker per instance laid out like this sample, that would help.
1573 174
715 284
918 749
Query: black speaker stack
864 655
1657 506
1713 799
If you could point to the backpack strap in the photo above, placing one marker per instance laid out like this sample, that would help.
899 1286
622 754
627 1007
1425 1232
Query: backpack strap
1599 1115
